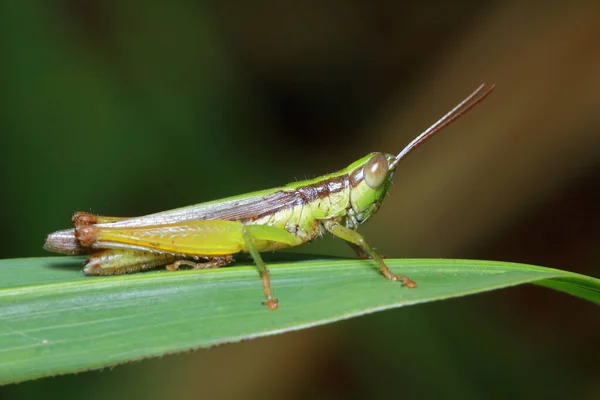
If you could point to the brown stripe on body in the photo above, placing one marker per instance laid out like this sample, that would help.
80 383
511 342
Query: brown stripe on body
309 193
323 189
356 177
250 208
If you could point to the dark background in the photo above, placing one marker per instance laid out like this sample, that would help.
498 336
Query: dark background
126 108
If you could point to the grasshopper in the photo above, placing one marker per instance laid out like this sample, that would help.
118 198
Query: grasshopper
207 235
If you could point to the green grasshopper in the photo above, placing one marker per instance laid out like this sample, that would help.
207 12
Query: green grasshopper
207 235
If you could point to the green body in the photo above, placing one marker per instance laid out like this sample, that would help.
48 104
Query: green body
334 198
260 221
207 235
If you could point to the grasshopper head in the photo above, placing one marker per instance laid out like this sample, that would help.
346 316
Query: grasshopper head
371 175
369 178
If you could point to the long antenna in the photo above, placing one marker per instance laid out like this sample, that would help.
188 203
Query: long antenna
471 101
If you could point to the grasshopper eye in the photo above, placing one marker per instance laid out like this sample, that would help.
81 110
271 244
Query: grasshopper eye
376 170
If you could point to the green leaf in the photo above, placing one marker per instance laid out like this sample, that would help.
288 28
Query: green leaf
54 320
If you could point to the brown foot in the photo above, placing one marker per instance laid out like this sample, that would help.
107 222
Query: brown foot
272 304
404 280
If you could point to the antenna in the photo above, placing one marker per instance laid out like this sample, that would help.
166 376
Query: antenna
471 101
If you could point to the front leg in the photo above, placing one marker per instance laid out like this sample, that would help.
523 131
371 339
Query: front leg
356 239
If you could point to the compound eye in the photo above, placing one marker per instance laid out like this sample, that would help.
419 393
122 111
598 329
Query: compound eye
376 171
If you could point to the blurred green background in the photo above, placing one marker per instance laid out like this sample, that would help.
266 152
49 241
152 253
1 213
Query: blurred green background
127 108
